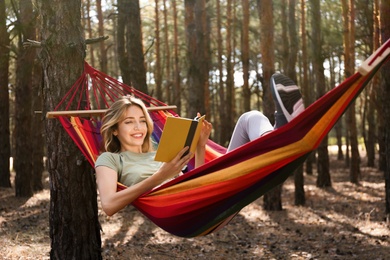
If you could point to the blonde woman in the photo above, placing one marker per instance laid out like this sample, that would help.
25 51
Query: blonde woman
128 155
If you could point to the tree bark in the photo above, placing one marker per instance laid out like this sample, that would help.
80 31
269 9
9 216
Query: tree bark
135 49
385 73
5 144
245 56
177 85
196 34
272 199
73 218
123 59
23 103
323 179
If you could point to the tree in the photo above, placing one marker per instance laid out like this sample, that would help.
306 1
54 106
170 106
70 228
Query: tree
323 179
23 102
245 56
349 46
272 199
74 226
385 73
123 56
5 145
135 49
197 42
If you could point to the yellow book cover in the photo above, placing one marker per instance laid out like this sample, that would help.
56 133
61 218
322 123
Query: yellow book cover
178 133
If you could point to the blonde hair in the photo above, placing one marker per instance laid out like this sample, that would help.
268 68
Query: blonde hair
114 115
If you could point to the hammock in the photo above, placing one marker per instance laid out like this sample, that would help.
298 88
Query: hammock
206 198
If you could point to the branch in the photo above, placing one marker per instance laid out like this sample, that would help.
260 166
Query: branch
95 40
31 43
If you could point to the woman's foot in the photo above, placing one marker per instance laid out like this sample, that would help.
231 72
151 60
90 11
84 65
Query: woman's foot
287 98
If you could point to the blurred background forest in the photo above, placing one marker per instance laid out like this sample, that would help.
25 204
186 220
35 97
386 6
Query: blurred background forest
215 57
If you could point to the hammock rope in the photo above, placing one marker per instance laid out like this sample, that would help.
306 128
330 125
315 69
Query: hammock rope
206 198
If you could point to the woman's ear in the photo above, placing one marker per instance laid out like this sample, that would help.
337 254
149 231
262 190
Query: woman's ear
115 132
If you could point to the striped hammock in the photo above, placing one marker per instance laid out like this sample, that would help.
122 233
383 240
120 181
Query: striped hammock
206 198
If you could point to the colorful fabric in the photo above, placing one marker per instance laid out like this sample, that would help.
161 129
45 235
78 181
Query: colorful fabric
206 198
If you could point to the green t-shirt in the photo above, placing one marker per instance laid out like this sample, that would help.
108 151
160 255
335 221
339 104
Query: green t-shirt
131 167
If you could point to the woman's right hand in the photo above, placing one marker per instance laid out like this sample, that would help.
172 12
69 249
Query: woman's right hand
173 168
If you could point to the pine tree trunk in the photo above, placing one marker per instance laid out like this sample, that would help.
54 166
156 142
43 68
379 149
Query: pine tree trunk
385 72
245 56
177 85
123 59
196 31
157 70
74 226
272 199
38 141
323 179
5 144
23 104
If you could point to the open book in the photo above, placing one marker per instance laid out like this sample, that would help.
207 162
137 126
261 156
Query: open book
178 133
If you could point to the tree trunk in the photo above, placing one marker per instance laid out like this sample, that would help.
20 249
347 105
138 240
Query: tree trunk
196 31
220 134
135 48
123 56
5 145
177 85
23 103
385 72
90 34
299 182
246 97
227 109
167 66
349 45
323 179
38 141
157 70
73 218
102 45
293 42
272 199
305 80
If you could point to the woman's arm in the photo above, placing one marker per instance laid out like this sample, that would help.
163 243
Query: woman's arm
112 200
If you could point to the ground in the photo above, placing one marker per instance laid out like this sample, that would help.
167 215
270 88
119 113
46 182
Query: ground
343 222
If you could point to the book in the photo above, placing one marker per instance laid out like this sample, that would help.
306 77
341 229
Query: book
178 132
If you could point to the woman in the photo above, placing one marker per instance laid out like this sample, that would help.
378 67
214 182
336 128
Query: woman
129 156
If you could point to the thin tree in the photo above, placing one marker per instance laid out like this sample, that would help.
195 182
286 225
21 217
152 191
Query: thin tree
102 45
272 199
157 70
349 49
177 86
73 218
5 145
23 102
245 56
167 55
323 178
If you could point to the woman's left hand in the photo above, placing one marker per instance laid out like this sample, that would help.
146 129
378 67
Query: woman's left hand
205 133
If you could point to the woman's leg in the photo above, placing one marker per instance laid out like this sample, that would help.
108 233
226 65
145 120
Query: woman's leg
250 125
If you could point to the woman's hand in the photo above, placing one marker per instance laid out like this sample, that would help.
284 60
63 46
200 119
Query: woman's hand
173 168
205 133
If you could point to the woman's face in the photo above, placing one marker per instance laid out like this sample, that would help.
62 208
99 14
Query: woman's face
132 130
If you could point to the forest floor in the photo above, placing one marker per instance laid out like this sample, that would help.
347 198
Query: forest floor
342 222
